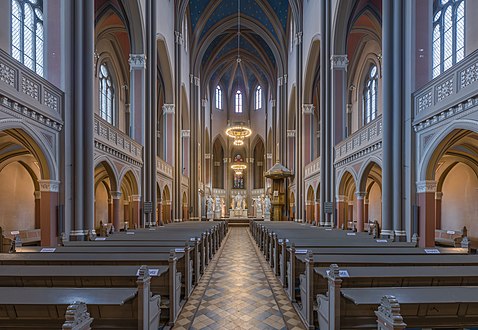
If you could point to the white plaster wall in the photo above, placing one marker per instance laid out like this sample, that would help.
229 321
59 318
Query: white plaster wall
375 204
460 193
311 26
101 205
165 26
17 199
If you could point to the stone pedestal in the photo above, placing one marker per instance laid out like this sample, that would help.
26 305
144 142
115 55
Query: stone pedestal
217 214
267 216
259 215
210 216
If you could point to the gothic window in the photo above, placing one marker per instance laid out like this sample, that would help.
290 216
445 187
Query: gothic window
27 33
370 95
218 98
448 34
238 104
258 98
107 94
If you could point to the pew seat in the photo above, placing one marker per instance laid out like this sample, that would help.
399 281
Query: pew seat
427 307
44 308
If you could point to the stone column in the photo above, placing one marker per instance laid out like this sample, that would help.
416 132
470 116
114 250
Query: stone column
426 203
341 200
160 213
135 211
317 213
116 196
185 138
110 210
137 67
339 65
365 211
179 42
387 118
49 190
360 210
350 214
37 209
83 117
168 132
308 134
126 213
438 198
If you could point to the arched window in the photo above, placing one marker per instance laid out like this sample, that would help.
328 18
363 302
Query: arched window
370 95
258 98
107 94
27 33
218 98
238 108
448 34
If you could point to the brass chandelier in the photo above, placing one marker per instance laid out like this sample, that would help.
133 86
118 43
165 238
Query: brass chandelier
238 168
238 132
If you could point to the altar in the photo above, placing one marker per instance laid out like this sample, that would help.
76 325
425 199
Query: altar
238 213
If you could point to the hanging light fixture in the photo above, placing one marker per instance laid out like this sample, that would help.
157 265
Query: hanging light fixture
238 168
238 131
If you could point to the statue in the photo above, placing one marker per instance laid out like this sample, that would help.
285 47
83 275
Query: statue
267 208
238 202
258 205
209 203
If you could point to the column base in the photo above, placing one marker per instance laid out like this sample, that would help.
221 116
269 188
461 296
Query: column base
401 235
386 233
78 235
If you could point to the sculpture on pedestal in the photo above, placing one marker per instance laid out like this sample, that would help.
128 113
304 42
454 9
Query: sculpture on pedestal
267 208
209 207
217 209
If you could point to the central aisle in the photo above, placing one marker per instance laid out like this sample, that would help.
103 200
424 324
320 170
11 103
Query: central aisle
237 292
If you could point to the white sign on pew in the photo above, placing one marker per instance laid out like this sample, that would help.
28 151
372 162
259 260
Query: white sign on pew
328 229
192 239
100 239
300 251
432 251
350 234
281 240
179 250
152 272
130 233
382 241
342 273
48 250
450 232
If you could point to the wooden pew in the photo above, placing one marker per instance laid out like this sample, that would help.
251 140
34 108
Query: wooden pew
420 307
309 283
114 259
88 277
333 279
450 237
43 308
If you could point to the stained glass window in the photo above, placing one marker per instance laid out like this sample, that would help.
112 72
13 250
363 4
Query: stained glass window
107 94
238 104
370 95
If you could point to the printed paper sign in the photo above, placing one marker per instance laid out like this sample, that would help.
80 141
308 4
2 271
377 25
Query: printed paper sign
382 241
300 251
432 251
152 272
130 233
350 234
179 250
342 273
100 239
450 232
48 250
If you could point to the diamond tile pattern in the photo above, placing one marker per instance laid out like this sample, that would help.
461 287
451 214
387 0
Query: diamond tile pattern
238 291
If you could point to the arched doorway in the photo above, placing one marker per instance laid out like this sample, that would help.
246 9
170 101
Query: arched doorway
369 196
131 201
106 196
346 201
166 202
28 195
447 198
310 205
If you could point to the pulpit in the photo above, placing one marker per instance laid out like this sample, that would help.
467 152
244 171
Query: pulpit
279 174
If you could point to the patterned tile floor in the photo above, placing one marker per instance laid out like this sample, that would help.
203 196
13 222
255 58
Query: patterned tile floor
238 291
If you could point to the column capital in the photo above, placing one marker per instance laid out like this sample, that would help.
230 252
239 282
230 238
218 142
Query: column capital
204 102
308 109
273 103
298 38
360 194
225 160
179 38
37 194
185 133
426 186
291 133
136 198
341 198
194 80
168 109
49 185
269 156
115 194
207 156
280 81
339 62
438 195
137 62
